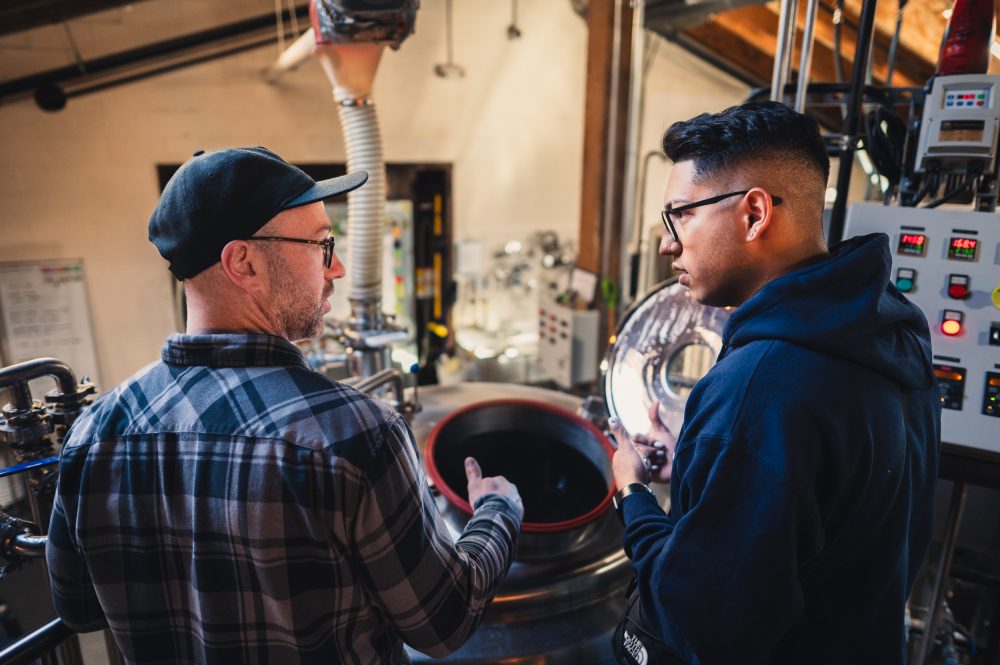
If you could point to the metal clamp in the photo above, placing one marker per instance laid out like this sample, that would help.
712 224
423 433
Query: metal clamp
355 101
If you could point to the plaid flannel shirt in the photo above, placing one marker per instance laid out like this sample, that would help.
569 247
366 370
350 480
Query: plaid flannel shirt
230 505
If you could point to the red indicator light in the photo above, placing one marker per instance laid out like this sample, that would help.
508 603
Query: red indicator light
951 327
958 292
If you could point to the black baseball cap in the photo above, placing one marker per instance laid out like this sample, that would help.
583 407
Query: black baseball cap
217 197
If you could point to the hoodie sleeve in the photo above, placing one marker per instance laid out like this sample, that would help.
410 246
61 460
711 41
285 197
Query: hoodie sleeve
721 579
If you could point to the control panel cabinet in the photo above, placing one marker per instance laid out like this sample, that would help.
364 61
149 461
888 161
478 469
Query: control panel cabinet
947 262
567 343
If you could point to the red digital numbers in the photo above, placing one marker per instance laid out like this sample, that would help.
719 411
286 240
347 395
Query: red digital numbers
912 244
962 248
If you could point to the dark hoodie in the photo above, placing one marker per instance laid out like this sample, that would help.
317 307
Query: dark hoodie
804 476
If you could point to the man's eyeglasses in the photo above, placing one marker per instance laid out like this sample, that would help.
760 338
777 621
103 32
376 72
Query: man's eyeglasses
671 215
327 245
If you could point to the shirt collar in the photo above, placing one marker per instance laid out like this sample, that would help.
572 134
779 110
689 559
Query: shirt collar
232 350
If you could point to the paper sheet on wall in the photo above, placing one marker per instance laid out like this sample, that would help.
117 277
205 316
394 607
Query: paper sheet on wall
46 314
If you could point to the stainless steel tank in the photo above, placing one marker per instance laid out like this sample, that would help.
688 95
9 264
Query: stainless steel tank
565 590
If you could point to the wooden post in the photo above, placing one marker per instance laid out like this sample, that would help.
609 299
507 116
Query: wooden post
609 45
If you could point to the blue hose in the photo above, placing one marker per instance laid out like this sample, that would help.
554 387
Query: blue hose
25 466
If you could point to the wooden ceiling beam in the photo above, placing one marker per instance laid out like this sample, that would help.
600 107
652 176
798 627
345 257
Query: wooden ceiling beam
18 15
747 38
923 23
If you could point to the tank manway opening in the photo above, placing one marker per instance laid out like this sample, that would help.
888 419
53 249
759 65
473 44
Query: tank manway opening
560 463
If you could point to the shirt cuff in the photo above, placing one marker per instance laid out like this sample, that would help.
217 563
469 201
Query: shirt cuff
500 502
639 504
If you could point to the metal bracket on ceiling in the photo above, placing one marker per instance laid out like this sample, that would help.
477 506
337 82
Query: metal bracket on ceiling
81 65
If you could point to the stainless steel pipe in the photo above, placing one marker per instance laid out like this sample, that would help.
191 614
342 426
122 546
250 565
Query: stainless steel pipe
805 61
33 369
784 47
381 378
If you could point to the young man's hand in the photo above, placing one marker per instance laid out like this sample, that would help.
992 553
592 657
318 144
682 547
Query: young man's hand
644 458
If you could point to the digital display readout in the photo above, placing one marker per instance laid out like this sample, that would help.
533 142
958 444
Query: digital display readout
914 244
951 386
946 374
962 248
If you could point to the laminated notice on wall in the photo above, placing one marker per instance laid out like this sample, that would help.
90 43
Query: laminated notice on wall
45 314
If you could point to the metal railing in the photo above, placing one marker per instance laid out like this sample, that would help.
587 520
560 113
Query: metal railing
37 644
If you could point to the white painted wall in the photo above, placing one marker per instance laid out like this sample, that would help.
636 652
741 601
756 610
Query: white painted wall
82 182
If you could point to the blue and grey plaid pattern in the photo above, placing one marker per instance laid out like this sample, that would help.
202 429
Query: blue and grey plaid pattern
230 505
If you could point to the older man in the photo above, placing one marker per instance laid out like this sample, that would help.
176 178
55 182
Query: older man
803 476
227 504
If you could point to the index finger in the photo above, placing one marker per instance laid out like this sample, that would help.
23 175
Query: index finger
472 469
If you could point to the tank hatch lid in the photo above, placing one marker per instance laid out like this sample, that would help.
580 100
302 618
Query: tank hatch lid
664 343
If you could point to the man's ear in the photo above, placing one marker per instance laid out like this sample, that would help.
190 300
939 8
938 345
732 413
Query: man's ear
243 265
757 211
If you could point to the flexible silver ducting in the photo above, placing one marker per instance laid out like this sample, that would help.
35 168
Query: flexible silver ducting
366 206
351 71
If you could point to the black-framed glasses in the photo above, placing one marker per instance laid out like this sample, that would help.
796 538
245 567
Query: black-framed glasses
668 213
327 245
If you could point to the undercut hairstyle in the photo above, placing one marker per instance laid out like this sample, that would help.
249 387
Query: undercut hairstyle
716 143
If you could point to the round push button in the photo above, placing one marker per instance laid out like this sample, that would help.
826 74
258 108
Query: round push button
958 291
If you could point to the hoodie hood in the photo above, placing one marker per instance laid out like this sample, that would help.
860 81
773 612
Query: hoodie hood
844 306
